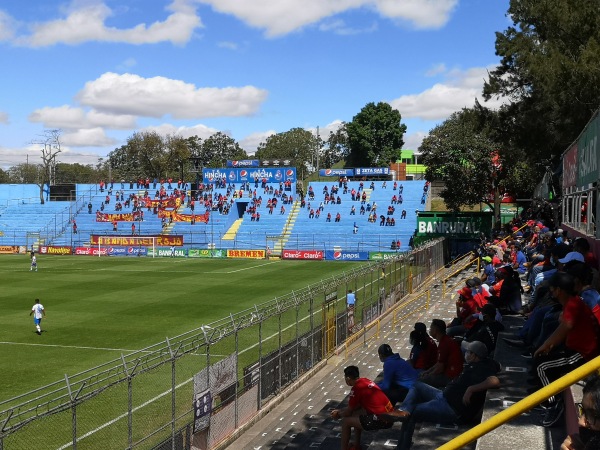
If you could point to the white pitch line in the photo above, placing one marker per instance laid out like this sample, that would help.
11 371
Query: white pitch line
74 347
248 268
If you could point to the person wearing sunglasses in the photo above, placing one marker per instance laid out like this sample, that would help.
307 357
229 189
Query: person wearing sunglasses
588 437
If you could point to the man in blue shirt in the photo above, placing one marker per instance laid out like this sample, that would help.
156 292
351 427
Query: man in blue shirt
350 299
398 375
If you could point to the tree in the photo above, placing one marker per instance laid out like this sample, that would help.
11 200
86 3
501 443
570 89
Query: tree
375 136
461 153
4 176
219 148
75 173
337 146
23 173
50 140
549 72
296 144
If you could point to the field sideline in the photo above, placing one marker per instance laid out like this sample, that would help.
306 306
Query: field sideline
99 308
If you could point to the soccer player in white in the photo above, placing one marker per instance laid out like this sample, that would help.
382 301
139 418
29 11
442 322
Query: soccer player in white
33 263
38 312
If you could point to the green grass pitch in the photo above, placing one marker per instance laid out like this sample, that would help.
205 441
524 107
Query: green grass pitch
100 308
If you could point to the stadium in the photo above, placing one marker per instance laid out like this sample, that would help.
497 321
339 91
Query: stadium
214 284
177 315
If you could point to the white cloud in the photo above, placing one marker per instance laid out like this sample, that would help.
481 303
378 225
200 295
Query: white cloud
284 16
92 137
202 131
7 27
160 96
10 157
3 117
70 118
436 70
413 141
442 99
324 131
228 45
86 22
127 64
339 27
251 142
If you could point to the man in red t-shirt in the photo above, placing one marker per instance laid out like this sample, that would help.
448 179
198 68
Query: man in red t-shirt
450 359
366 402
573 343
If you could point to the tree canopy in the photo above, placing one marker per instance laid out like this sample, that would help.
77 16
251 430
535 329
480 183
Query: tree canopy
297 144
549 71
375 136
461 153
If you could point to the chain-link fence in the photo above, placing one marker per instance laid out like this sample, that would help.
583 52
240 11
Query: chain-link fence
196 389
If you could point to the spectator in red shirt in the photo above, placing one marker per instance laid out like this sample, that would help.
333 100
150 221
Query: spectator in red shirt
573 343
449 364
466 309
424 352
366 402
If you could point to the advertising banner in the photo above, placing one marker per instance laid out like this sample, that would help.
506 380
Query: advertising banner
206 253
336 172
6 249
177 217
243 163
372 171
55 250
346 256
119 217
136 241
255 254
303 254
570 167
235 175
166 252
587 154
380 256
91 251
462 225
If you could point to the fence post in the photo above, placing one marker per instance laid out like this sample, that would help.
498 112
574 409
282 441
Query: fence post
129 374
173 415
73 399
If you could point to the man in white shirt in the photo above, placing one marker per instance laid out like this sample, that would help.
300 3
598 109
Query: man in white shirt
38 312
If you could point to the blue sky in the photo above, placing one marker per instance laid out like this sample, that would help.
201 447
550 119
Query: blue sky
101 70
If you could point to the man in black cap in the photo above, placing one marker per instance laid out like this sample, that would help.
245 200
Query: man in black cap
461 400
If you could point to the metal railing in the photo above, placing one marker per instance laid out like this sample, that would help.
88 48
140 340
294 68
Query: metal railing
148 398
524 405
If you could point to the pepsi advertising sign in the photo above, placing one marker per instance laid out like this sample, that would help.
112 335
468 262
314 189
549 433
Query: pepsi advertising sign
372 171
336 172
334 255
243 163
236 175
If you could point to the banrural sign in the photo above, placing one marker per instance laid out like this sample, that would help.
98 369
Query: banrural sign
465 225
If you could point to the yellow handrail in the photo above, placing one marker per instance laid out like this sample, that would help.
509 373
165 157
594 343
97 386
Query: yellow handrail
522 406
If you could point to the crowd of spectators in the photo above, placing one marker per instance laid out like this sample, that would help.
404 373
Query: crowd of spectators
529 271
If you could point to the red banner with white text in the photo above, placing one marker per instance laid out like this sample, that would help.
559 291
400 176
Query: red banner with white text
144 241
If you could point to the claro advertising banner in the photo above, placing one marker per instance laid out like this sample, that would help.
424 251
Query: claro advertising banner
346 256
111 251
303 254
